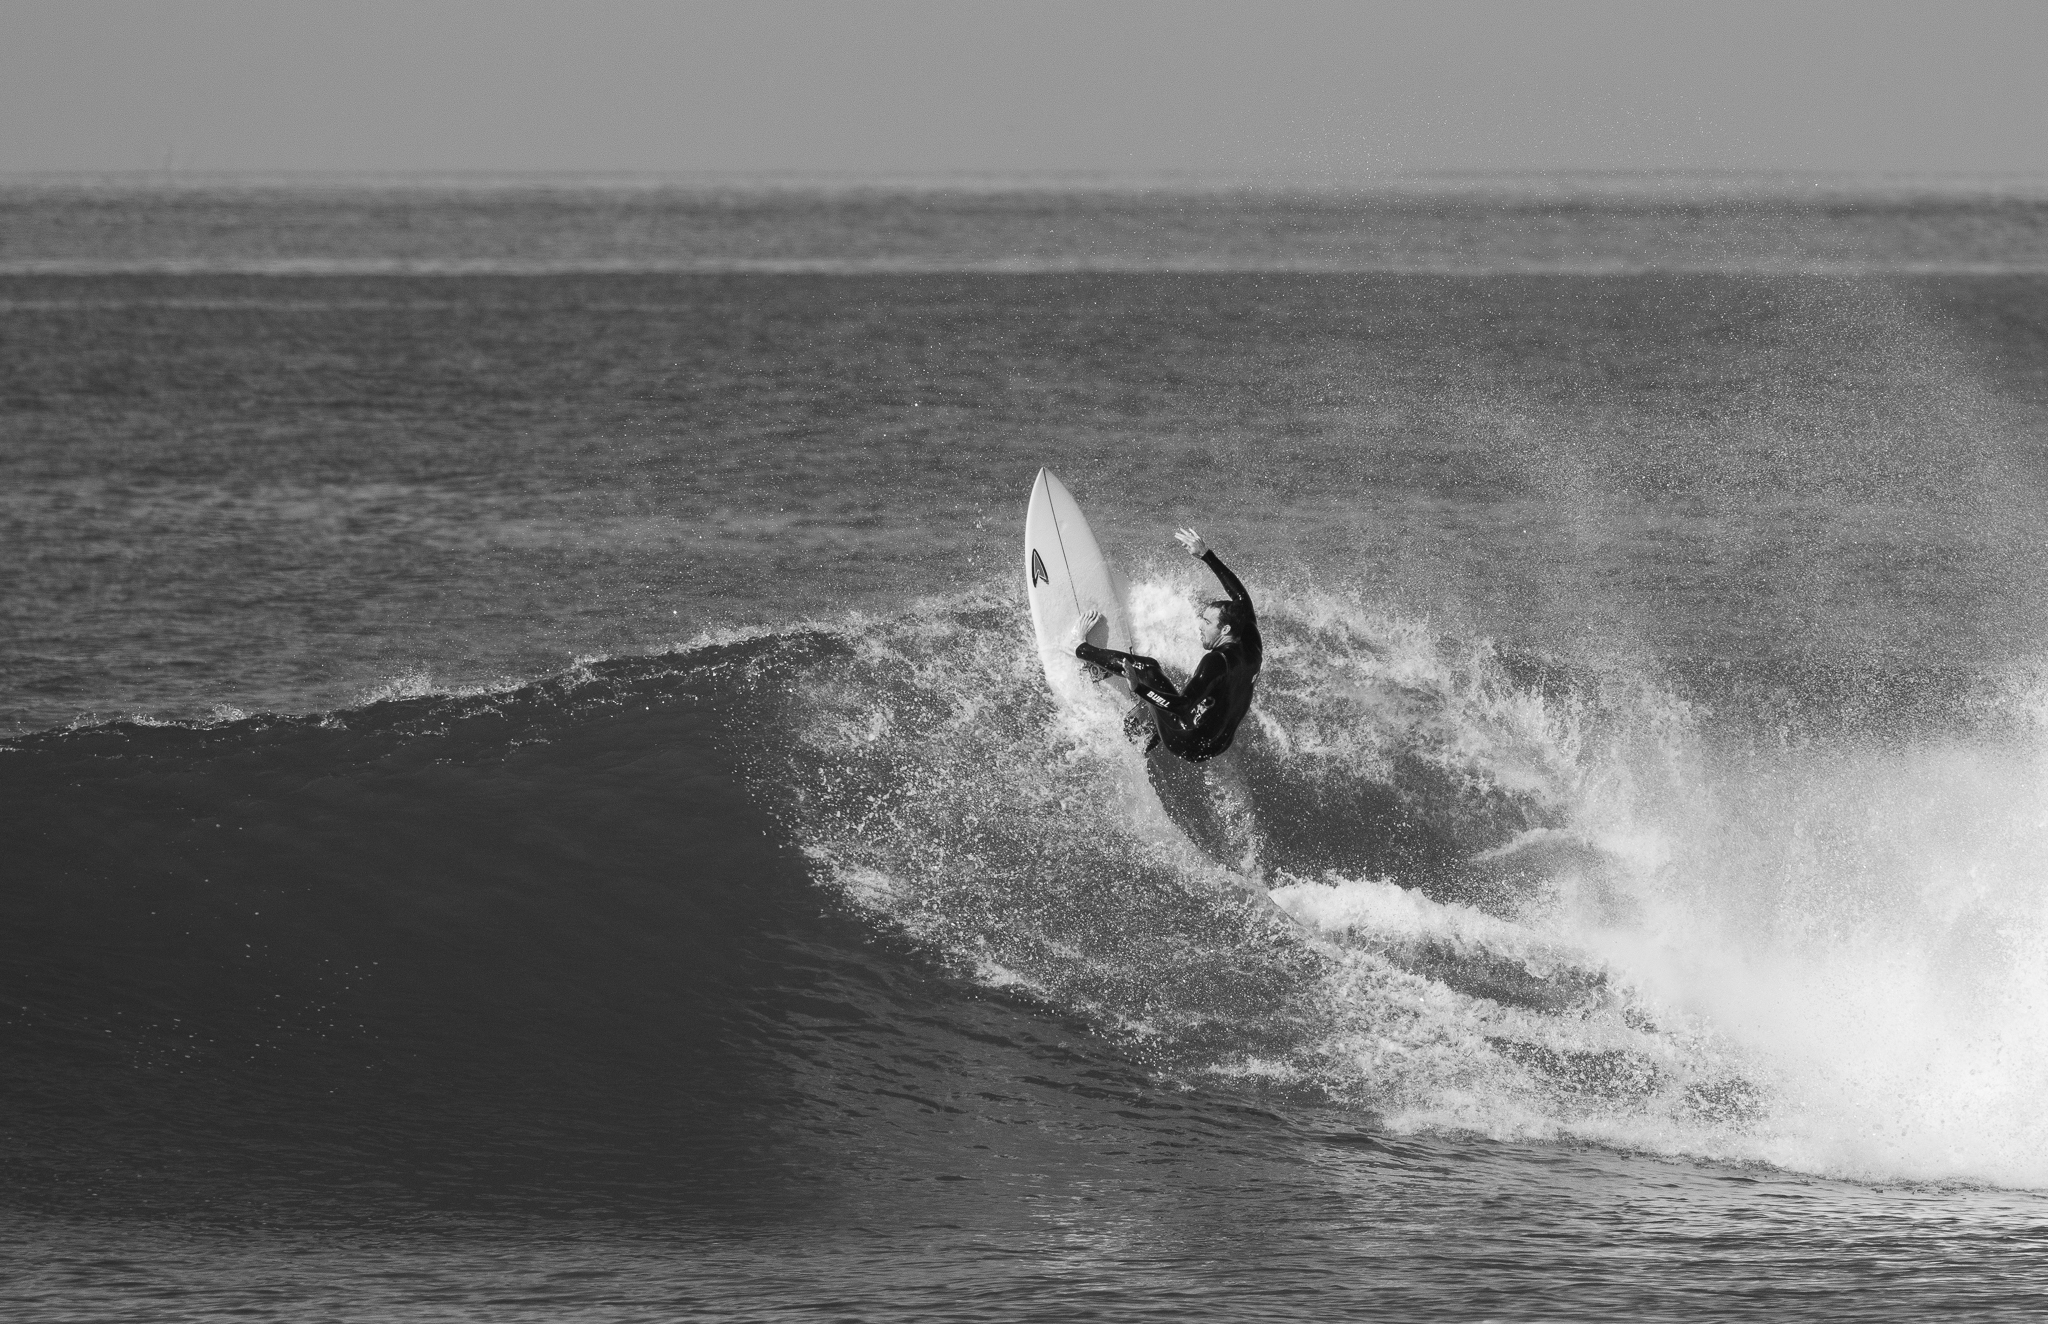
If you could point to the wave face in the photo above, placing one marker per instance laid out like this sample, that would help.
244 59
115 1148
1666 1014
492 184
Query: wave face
393 944
686 927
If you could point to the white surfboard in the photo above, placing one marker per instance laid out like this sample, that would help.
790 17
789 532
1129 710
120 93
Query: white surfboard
1068 578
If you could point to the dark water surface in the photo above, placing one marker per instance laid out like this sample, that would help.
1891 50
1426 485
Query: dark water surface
529 792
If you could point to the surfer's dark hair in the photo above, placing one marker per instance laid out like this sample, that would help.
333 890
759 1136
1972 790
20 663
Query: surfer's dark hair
1232 615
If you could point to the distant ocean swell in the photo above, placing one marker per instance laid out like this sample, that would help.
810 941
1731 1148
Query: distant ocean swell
670 905
1601 224
1398 264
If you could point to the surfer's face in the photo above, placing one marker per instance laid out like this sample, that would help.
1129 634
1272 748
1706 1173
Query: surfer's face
1212 626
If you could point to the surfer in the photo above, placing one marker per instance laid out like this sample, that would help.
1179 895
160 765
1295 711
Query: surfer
1200 721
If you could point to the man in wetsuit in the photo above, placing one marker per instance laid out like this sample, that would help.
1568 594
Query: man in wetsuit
1200 721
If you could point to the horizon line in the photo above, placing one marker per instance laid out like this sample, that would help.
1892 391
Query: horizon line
1618 180
60 268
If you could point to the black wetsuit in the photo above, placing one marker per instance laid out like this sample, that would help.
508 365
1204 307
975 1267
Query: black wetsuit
1198 722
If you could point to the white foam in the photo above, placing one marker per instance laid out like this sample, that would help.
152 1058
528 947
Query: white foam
1873 928
1342 906
419 683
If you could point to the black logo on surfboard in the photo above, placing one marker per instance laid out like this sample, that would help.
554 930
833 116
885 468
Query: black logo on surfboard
1038 575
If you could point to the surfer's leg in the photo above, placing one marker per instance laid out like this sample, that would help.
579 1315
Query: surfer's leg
1108 659
1102 663
1177 738
1149 720
1156 693
1141 726
1144 673
1148 682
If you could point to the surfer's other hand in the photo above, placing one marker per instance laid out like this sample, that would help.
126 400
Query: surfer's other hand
1193 542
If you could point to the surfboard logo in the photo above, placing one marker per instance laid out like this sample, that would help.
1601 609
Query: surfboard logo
1038 575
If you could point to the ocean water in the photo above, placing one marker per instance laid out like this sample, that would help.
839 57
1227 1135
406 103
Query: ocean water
527 791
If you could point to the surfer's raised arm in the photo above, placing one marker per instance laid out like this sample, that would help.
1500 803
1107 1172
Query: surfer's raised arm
1200 550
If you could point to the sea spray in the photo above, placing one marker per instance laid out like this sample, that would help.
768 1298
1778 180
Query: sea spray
1871 925
1617 931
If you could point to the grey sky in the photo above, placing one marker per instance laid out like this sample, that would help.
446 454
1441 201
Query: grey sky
1304 89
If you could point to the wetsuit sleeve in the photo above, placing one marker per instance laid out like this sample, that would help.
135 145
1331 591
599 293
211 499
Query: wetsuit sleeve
1231 583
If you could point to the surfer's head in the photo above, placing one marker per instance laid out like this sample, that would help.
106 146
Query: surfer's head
1221 621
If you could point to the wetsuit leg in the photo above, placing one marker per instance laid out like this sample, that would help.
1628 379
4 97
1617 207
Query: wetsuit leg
1147 681
1105 657
1143 672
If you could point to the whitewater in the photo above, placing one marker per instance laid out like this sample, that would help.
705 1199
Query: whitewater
1605 929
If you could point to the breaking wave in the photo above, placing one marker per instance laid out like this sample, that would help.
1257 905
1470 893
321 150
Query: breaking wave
720 891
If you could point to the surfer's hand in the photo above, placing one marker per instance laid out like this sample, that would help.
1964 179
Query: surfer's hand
1084 625
1193 542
